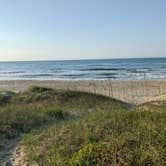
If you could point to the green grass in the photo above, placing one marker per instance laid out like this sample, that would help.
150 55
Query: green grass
41 106
82 129
102 138
15 120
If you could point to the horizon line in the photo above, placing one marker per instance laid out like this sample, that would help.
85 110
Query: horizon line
86 59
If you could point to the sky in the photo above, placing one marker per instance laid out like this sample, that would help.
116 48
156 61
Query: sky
82 29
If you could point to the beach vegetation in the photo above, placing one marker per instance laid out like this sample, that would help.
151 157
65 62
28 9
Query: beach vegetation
62 127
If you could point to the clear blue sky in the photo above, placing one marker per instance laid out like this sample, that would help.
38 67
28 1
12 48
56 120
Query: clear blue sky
82 29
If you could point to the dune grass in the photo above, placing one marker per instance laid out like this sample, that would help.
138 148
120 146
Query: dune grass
39 106
102 138
82 129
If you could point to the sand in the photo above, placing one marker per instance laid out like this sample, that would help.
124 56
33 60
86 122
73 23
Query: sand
136 92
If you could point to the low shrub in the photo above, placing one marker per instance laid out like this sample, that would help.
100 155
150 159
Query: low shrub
55 112
37 89
95 154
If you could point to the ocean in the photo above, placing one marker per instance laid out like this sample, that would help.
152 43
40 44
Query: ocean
118 69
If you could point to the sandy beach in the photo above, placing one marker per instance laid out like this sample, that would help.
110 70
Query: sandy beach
136 92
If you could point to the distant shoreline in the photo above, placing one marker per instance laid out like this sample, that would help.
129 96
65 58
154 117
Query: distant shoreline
132 91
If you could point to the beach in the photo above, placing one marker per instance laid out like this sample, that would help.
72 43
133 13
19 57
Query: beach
136 80
130 91
82 83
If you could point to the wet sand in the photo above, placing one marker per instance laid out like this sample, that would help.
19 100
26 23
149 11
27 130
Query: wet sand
129 91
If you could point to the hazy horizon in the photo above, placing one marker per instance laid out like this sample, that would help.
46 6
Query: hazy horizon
83 59
81 29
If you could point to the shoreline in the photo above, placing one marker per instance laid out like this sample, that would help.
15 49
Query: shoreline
131 91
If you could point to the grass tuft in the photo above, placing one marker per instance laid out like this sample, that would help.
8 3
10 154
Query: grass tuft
36 89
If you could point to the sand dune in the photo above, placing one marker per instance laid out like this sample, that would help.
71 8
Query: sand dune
129 91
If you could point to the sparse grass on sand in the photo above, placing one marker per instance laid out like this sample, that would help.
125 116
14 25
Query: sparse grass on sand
59 128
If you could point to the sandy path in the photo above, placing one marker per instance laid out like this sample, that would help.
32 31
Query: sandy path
129 91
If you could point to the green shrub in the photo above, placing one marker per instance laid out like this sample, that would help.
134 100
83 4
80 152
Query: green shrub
5 97
95 154
55 112
37 89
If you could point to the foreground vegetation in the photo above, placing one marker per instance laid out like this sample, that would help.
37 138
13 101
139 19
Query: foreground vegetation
81 129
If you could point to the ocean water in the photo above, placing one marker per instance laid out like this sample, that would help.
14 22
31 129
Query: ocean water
119 69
